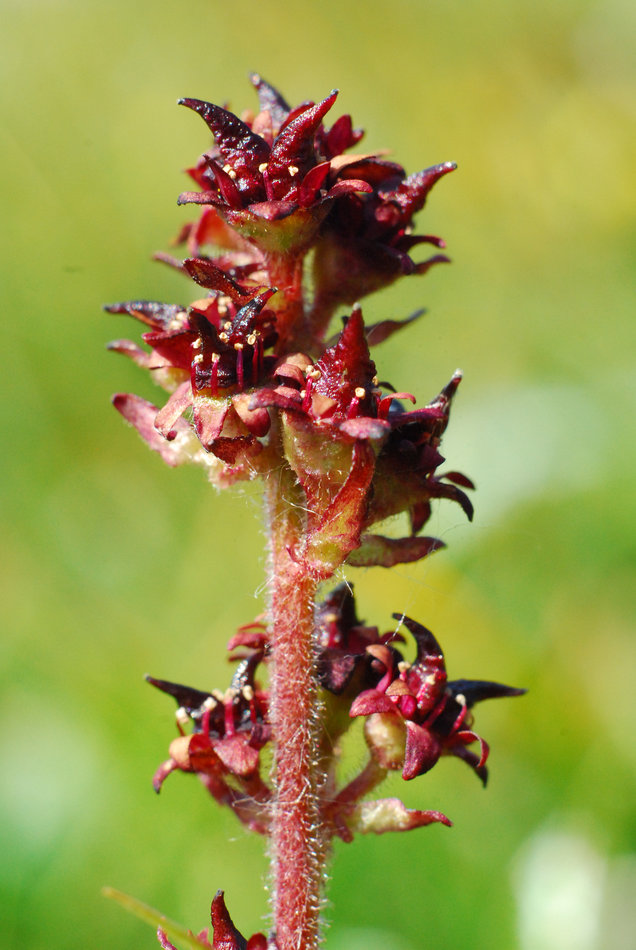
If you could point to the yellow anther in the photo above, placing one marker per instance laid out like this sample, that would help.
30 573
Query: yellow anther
238 346
198 358
248 693
375 380
263 167
251 339
223 337
461 699
218 695
229 171
403 666
197 344
360 392
209 703
293 170
313 373
227 325
182 717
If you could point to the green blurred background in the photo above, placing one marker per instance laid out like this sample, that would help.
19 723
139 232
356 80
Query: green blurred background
115 565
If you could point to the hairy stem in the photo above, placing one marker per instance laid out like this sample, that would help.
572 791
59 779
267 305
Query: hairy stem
297 844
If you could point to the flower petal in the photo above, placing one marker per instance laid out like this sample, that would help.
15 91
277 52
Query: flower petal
385 552
142 414
226 936
422 751
390 814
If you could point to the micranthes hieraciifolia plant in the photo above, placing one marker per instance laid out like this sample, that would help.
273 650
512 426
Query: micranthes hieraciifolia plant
294 230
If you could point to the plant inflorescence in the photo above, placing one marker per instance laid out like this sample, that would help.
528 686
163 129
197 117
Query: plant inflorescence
292 230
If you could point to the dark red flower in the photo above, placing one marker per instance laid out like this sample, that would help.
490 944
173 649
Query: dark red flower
210 355
365 242
225 935
280 180
351 443
415 715
343 642
229 730
271 176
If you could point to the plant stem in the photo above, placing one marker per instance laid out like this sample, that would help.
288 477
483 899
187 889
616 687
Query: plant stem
297 846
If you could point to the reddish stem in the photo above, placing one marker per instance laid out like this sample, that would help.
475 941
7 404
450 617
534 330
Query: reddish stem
296 833
294 332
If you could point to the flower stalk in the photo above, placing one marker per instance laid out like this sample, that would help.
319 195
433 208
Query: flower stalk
296 829
260 386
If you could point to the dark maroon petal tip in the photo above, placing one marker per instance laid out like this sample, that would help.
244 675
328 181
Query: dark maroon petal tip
226 936
185 696
230 133
427 644
270 99
475 691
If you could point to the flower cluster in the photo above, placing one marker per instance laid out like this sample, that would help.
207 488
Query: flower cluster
413 716
281 181
273 186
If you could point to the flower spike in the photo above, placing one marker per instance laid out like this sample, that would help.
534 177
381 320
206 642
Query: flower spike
258 387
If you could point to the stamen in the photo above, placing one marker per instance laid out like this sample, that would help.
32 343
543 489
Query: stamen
354 405
229 171
239 365
223 337
182 718
255 354
214 374
262 167
197 344
293 170
306 394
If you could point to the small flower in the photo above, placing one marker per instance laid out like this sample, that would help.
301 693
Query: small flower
225 935
365 242
357 454
272 176
229 730
343 642
281 181
415 715
210 356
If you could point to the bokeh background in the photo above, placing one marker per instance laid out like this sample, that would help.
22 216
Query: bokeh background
115 565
